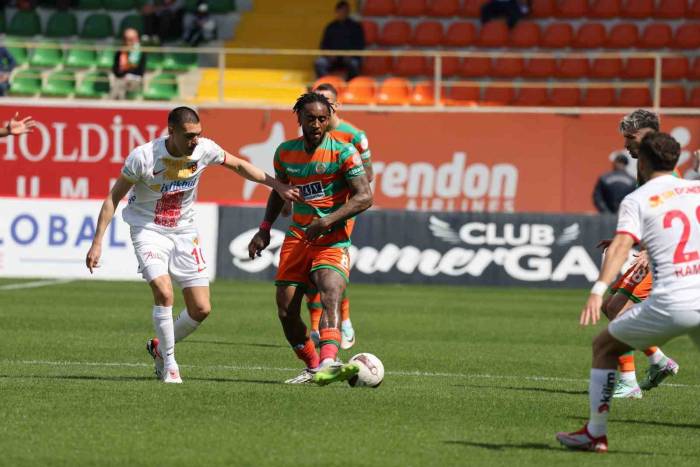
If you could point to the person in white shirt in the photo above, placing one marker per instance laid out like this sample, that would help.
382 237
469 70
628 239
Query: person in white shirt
664 216
161 178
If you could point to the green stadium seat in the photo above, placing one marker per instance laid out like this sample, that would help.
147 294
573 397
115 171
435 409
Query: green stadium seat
94 85
162 87
131 21
119 5
62 24
25 23
97 26
47 55
154 61
26 83
59 84
89 4
80 58
191 5
221 6
182 61
105 57
18 51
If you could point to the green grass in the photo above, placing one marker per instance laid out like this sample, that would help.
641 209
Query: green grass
497 373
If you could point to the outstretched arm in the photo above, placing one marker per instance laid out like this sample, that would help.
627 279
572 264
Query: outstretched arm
17 127
250 172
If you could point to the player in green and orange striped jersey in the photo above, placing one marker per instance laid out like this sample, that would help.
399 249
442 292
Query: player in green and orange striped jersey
330 176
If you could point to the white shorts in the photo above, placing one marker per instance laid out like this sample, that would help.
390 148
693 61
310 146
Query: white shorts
178 254
644 325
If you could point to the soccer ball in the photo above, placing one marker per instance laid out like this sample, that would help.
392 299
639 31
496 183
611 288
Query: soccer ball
371 371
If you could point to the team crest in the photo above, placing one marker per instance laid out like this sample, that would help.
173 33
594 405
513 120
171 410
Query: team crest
321 168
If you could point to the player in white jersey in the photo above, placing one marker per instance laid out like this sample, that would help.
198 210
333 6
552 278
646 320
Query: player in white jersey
664 216
163 176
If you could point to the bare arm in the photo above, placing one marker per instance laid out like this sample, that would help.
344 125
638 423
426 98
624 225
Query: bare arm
250 172
119 190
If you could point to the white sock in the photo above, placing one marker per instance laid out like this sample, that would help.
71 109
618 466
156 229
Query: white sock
185 325
657 357
163 324
346 323
600 391
629 377
326 362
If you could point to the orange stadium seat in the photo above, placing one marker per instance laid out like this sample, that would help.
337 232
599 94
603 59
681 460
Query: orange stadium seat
460 34
376 66
557 35
498 95
606 68
694 100
531 97
427 34
443 8
395 32
589 36
599 97
411 8
450 65
572 68
634 97
605 8
394 91
572 9
475 66
378 7
675 67
694 12
409 66
694 72
493 34
336 81
424 93
638 68
371 32
464 95
507 67
564 97
670 9
472 8
540 68
360 90
673 96
623 36
687 36
524 35
655 36
543 8
637 9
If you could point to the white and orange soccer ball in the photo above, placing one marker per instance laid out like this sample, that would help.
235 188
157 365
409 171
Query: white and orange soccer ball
371 372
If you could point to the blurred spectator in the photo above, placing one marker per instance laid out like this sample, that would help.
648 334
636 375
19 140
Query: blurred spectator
344 33
7 64
129 66
162 20
199 27
17 127
613 186
512 10
693 173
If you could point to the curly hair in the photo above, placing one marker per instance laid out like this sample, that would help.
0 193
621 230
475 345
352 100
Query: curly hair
638 120
309 98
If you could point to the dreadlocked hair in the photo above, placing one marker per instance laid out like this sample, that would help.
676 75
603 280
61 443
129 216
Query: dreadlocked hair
308 98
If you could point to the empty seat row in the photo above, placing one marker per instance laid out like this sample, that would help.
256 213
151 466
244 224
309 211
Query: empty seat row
574 9
527 34
65 24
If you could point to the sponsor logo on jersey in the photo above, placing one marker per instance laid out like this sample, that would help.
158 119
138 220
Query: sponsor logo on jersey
311 191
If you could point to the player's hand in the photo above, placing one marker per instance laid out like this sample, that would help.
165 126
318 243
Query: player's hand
604 244
258 243
316 228
92 260
286 209
18 127
642 260
288 192
591 312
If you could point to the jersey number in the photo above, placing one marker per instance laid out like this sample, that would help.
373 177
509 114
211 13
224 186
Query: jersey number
682 256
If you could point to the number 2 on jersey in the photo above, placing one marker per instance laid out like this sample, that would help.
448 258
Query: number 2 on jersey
680 255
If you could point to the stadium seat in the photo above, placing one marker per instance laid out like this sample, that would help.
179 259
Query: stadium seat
378 7
674 68
121 5
105 57
371 31
572 68
154 61
605 9
673 96
464 95
472 8
524 35
473 67
460 34
637 9
179 61
557 35
94 85
589 36
655 36
493 34
638 68
62 24
219 6
540 68
694 12
498 95
507 67
395 33
599 97
575 9
687 36
424 93
564 97
80 58
694 72
162 87
450 66
670 9
543 8
24 23
427 34
409 66
536 97
360 90
443 8
411 8
25 83
694 100
90 4
59 84
18 51
130 21
394 91
336 81
623 36
606 68
46 55
97 26
376 66
633 97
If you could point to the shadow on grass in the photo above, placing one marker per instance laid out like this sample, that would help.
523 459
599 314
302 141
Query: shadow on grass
693 426
513 388
135 378
246 344
538 447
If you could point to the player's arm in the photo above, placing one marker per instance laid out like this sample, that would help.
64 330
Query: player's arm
261 239
367 164
250 172
109 207
17 127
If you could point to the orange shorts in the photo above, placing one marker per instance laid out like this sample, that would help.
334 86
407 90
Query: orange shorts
635 283
298 259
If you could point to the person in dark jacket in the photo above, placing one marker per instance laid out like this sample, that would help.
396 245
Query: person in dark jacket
342 34
613 186
7 64
129 66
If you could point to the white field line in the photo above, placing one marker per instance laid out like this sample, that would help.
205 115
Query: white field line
418 374
35 284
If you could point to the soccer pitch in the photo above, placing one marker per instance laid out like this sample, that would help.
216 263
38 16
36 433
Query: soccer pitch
475 376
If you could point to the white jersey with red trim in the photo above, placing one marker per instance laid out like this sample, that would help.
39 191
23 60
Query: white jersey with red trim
664 215
165 187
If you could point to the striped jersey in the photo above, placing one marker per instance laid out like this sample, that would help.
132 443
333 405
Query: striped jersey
349 133
322 178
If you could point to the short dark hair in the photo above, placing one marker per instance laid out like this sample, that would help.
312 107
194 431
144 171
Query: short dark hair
342 4
327 87
181 115
308 98
661 150
639 119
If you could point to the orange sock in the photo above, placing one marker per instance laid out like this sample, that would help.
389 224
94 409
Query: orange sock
313 302
307 353
329 343
626 363
650 351
345 309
